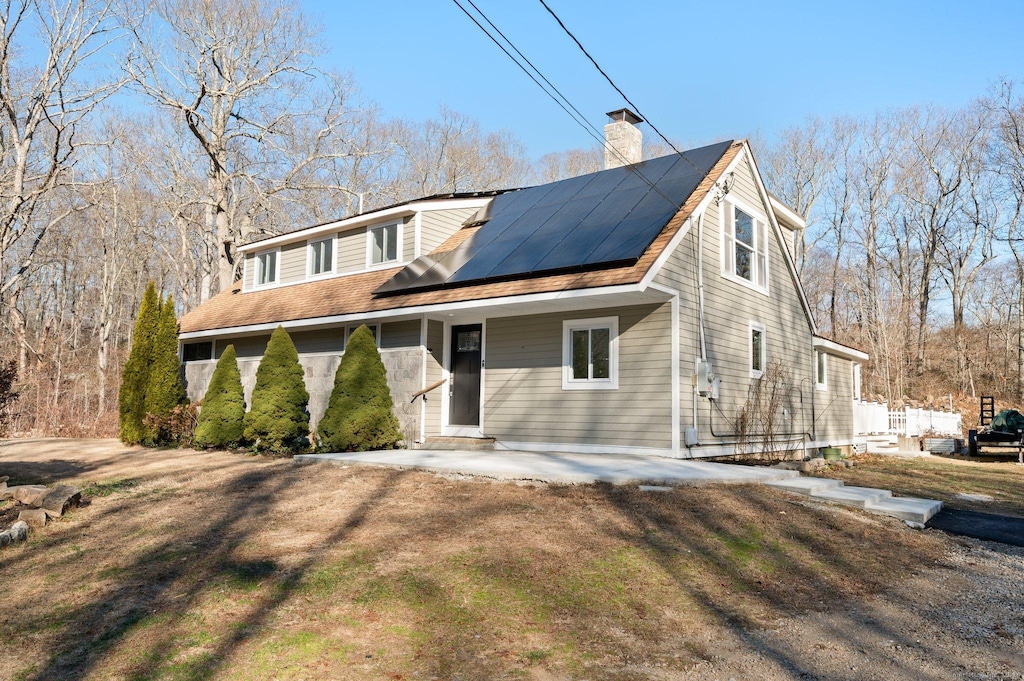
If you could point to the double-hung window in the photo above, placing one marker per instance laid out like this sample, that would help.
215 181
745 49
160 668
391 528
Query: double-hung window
321 257
757 350
383 244
266 268
590 354
745 246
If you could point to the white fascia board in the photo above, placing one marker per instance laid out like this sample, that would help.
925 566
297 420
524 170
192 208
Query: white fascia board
838 349
787 256
793 219
362 220
685 228
409 312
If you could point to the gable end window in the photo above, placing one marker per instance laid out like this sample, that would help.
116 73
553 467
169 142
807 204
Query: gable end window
590 354
757 350
266 268
745 246
383 244
321 257
820 370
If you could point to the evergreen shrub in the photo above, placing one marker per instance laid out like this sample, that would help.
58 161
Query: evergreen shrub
164 389
359 415
277 420
223 413
131 399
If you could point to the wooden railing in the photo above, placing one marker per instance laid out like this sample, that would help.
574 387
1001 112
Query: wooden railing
426 390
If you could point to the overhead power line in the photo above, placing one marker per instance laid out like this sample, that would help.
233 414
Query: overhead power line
597 66
554 93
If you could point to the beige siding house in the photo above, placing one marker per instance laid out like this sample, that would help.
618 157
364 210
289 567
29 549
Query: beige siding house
645 308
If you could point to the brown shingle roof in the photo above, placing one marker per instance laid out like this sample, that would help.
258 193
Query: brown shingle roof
354 294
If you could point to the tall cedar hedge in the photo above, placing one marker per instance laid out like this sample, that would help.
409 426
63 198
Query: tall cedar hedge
164 390
132 396
278 420
359 414
221 418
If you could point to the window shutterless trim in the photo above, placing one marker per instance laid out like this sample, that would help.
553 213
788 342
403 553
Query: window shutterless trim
310 274
759 327
370 229
820 370
758 250
256 268
570 325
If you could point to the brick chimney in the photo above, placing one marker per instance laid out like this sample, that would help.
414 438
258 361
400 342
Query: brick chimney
623 141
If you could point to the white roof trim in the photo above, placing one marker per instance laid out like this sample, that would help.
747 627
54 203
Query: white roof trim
364 219
310 322
790 216
833 348
766 200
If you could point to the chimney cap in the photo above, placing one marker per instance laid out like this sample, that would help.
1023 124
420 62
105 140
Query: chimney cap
624 115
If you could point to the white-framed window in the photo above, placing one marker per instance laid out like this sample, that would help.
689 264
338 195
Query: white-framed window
744 245
758 354
383 244
590 354
374 329
266 268
320 257
855 380
820 370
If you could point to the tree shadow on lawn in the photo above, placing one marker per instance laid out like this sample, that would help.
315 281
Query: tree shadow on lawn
167 580
800 572
487 582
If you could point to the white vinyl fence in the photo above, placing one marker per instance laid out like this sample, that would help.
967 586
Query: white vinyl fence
875 418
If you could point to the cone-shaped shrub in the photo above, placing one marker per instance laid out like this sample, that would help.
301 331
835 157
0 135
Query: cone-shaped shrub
277 420
164 391
220 421
131 400
359 416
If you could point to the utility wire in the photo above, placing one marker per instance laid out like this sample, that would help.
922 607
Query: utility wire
636 109
581 120
606 76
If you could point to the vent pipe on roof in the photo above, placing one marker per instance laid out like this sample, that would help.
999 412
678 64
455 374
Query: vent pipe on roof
623 141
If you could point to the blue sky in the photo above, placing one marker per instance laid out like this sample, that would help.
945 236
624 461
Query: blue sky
699 71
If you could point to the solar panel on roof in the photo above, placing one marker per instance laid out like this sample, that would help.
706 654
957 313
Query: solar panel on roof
597 220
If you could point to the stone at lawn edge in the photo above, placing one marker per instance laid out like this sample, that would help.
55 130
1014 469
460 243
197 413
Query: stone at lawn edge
5 539
59 499
35 517
19 531
30 495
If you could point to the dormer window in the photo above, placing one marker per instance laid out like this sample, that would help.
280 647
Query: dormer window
745 246
321 257
383 244
266 268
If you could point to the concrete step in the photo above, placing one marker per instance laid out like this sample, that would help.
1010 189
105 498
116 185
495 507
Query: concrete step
458 444
910 509
806 486
852 496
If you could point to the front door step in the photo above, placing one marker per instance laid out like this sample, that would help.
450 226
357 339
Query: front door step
910 509
451 444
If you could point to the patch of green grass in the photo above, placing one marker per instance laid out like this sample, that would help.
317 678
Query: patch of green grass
285 657
339 576
105 489
537 655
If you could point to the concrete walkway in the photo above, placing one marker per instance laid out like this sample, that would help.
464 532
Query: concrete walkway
557 467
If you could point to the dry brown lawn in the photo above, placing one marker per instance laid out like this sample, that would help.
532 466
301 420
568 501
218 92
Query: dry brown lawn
188 565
